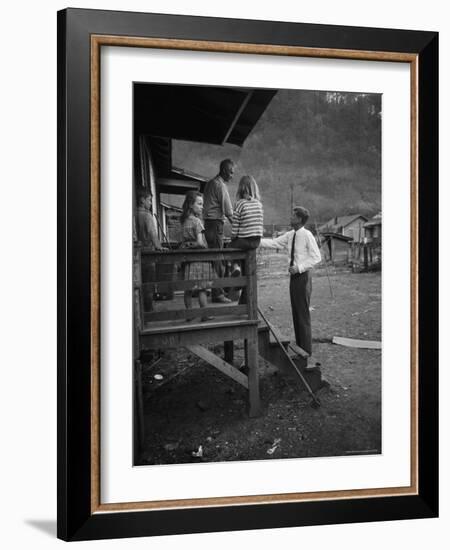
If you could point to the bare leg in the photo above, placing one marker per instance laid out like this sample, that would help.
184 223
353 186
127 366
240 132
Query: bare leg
203 301
188 304
202 298
188 299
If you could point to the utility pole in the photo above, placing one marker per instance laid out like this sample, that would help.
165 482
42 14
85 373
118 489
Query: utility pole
325 261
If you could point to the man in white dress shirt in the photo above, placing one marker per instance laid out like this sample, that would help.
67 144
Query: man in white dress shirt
304 254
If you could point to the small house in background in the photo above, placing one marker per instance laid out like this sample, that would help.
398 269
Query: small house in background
372 230
335 247
351 226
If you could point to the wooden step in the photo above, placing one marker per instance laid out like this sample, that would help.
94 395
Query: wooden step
263 329
270 350
276 357
298 350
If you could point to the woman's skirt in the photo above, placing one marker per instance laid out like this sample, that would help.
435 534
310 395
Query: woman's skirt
202 272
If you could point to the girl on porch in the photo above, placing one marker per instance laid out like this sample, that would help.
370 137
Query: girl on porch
192 238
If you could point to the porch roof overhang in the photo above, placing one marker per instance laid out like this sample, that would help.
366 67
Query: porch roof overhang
206 114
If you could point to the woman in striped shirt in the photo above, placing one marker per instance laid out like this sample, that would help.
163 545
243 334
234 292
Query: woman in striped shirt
247 226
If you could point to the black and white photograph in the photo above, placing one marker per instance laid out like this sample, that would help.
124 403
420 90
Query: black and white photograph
257 273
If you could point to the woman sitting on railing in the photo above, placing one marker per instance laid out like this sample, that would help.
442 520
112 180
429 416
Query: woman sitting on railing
247 226
193 237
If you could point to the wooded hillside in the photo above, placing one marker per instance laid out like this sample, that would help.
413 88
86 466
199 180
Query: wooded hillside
318 149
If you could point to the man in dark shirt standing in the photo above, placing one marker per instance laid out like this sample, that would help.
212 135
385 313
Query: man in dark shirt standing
217 207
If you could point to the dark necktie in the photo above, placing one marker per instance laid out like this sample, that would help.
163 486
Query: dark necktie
292 250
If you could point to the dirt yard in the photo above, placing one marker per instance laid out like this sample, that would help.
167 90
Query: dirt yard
196 414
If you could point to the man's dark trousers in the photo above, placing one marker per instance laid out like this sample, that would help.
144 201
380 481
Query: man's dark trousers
214 239
300 290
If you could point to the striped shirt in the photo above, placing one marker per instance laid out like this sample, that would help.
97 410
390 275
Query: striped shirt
247 219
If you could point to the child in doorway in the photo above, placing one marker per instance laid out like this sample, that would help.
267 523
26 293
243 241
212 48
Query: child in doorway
247 226
145 232
193 237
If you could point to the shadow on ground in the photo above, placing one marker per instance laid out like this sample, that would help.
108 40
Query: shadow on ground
46 526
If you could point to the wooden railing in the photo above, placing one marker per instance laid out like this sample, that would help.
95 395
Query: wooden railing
174 282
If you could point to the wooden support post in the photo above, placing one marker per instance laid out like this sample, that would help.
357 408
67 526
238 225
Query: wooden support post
139 431
253 381
138 308
251 344
252 290
228 351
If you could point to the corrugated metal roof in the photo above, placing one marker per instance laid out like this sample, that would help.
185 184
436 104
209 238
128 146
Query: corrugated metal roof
339 236
343 221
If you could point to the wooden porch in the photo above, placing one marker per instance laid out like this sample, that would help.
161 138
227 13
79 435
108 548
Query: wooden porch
166 326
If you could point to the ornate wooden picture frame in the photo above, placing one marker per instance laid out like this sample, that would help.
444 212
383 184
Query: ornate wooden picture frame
81 36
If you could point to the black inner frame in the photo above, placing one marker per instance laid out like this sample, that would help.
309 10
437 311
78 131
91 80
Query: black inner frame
75 521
